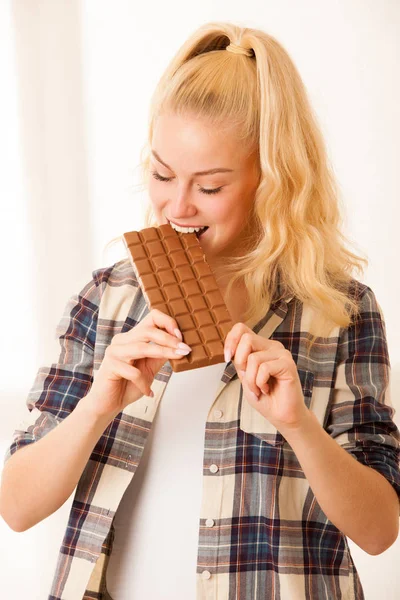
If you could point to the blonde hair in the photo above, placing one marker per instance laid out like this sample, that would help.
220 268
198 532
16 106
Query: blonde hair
297 210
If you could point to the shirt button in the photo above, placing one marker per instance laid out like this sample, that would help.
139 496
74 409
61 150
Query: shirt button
206 574
218 413
210 522
213 468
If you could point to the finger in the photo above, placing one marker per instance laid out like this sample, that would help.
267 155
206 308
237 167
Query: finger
243 349
269 372
257 372
257 390
124 370
249 393
154 319
263 375
279 369
233 338
275 350
253 363
160 319
136 350
264 388
153 334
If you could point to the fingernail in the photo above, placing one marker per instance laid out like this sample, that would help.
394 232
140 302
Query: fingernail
241 373
184 347
151 394
178 334
182 352
253 396
227 354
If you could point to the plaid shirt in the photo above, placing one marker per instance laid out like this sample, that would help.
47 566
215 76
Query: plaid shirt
262 534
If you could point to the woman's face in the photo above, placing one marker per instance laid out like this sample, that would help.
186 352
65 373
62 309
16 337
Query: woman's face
188 146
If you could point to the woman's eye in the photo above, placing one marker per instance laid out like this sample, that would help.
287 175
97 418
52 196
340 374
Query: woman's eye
214 191
202 190
159 177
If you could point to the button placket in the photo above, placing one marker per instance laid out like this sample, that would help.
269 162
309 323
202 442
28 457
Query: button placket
217 413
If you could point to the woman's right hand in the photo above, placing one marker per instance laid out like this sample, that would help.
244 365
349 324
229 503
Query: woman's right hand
130 363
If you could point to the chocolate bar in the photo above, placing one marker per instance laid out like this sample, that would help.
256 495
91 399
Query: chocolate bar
175 278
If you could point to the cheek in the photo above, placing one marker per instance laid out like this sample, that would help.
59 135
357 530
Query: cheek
228 218
231 214
224 211
156 198
152 189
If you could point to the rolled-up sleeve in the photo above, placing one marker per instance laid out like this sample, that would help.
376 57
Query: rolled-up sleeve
57 388
361 414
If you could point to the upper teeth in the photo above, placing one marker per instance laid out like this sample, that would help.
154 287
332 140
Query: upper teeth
185 229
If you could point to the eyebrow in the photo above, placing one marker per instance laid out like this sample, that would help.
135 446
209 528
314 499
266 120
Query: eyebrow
198 173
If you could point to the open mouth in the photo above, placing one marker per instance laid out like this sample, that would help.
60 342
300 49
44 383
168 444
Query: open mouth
199 234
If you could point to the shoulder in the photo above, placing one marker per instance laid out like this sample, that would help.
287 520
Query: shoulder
366 299
366 335
119 294
119 273
356 289
106 285
116 275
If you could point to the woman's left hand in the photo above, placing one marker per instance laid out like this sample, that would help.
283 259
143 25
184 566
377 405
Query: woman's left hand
267 369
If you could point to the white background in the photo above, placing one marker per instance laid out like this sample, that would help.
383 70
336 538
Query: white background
76 79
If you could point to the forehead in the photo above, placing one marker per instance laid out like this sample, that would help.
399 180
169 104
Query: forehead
196 142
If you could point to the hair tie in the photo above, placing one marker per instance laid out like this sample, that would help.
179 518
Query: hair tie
235 49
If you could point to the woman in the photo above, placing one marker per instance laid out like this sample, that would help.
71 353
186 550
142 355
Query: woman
255 470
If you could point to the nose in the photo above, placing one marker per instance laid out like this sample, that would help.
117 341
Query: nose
181 207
